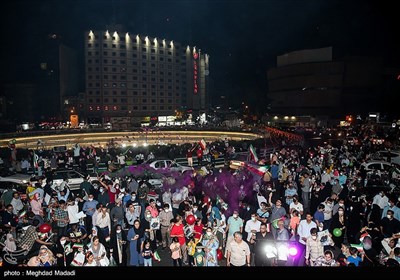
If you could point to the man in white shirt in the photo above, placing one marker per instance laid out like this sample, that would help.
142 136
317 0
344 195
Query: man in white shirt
73 210
260 198
121 160
167 197
25 165
381 200
304 232
238 251
176 200
16 203
77 150
104 221
184 192
328 204
252 226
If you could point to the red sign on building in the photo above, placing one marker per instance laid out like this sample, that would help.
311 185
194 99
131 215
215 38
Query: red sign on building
195 86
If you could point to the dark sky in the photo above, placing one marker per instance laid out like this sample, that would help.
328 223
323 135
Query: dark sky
242 37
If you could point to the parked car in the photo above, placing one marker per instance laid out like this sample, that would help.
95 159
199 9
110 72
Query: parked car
13 177
155 180
167 163
372 188
382 166
383 155
72 177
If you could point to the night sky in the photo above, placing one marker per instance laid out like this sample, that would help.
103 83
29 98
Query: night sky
242 37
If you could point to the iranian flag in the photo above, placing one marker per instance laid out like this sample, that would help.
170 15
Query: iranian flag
156 256
35 160
253 153
359 247
77 246
202 144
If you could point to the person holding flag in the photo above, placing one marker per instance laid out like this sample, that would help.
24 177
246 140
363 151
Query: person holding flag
92 151
35 162
156 256
253 154
77 150
189 156
199 155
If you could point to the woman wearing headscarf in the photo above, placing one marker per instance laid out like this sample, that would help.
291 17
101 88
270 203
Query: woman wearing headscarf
326 260
46 257
93 234
135 238
211 244
99 252
9 244
118 245
149 233
338 221
63 252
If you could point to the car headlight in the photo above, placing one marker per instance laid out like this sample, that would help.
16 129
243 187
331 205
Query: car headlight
24 181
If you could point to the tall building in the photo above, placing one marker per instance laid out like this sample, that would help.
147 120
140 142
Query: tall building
311 82
58 78
68 78
135 77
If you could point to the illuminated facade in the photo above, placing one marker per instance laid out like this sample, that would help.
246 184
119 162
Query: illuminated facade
135 76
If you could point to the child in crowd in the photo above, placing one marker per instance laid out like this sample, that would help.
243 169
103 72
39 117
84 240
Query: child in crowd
176 252
147 254
199 256
354 258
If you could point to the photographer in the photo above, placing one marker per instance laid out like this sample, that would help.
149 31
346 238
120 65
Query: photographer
260 241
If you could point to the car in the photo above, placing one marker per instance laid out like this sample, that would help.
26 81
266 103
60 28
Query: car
72 177
13 177
383 155
375 185
378 165
167 163
155 180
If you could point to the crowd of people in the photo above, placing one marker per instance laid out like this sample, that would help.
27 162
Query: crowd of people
313 199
